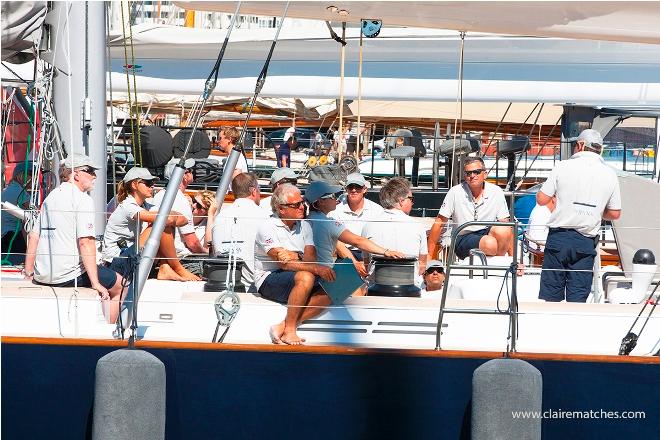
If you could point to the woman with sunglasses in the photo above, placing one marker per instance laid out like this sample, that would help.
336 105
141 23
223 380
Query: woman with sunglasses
119 238
204 209
328 233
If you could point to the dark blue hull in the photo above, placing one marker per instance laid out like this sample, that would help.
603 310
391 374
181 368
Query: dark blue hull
234 393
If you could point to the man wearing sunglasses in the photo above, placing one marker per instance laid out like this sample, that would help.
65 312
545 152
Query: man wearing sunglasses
286 270
354 210
185 239
61 248
474 200
434 279
586 191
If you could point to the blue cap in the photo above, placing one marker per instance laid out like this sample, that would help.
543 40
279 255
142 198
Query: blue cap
21 168
318 189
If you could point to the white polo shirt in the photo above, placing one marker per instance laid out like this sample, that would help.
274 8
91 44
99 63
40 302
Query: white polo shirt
326 233
66 215
182 206
584 186
395 230
273 234
460 207
238 223
121 224
353 221
264 204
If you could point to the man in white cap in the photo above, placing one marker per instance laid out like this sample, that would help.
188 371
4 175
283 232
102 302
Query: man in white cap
586 192
279 177
185 240
61 247
434 280
354 210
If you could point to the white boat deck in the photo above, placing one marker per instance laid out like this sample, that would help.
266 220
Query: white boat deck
176 311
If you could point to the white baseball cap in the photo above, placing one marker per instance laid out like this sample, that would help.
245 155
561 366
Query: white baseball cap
356 179
77 160
138 173
282 173
169 168
590 136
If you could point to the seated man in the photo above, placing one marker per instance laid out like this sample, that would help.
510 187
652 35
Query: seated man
474 200
186 241
61 249
279 177
285 265
354 209
237 225
394 229
434 280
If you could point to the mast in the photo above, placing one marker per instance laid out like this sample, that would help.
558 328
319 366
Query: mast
79 87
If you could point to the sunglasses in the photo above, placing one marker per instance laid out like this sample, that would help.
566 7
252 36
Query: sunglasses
329 196
354 187
294 205
474 172
291 181
435 270
89 170
198 204
148 183
411 198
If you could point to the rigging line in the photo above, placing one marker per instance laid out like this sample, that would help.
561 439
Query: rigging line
261 79
526 119
113 160
341 91
547 139
137 110
86 49
358 147
69 74
459 104
513 176
14 73
209 86
128 80
499 124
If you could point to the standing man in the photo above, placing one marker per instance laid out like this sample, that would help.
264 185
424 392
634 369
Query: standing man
229 137
587 191
354 210
61 248
185 239
474 200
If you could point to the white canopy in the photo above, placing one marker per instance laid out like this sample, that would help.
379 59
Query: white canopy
400 64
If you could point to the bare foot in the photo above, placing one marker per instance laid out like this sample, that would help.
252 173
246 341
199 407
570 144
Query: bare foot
186 275
292 338
165 272
275 333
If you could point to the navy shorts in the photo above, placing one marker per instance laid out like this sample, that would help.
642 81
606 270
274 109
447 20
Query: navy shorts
107 278
278 285
283 151
568 264
125 262
469 241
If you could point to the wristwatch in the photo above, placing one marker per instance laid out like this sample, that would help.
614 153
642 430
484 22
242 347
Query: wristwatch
26 273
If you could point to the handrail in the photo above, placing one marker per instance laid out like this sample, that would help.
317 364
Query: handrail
513 302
